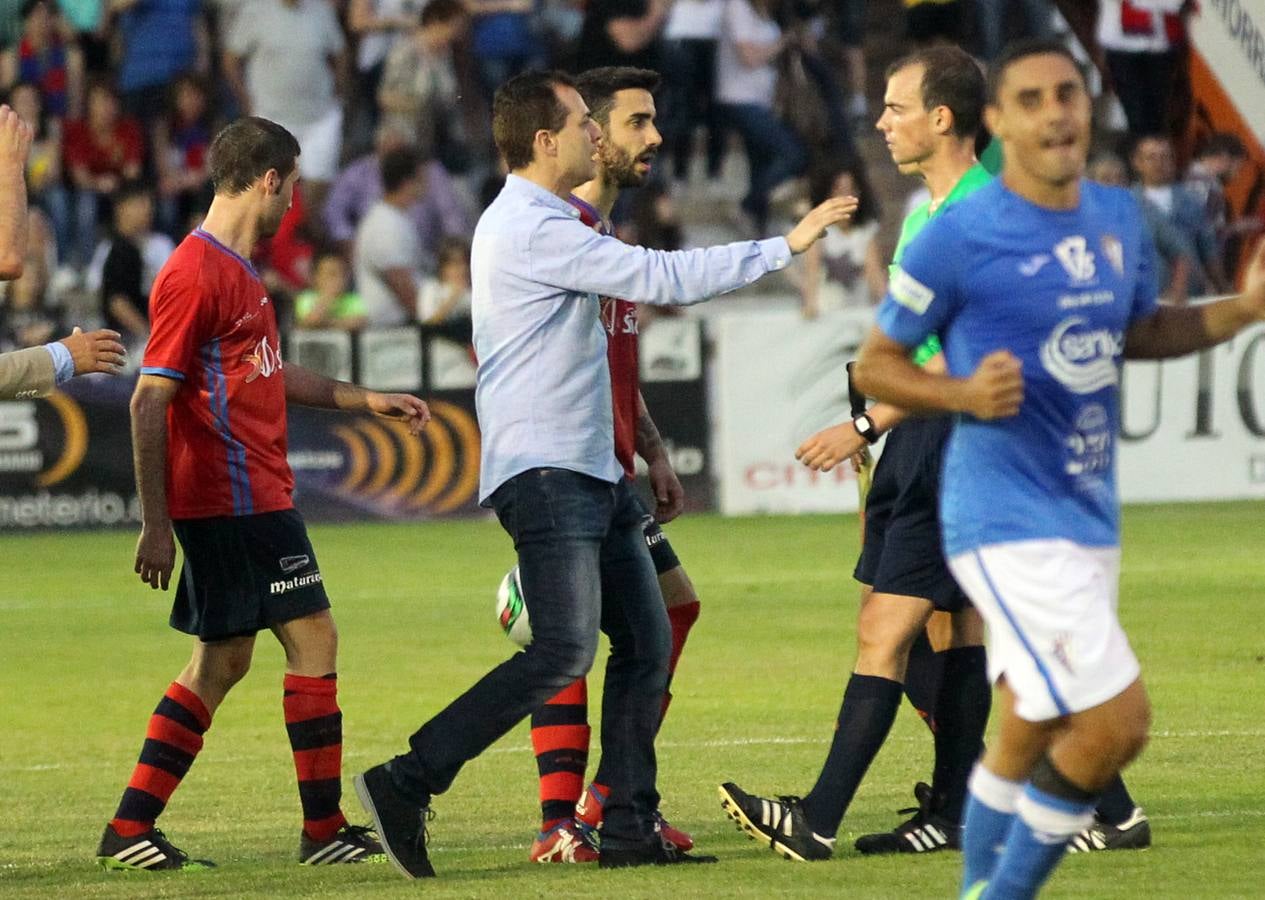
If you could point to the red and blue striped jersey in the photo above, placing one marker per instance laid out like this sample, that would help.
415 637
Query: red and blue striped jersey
214 329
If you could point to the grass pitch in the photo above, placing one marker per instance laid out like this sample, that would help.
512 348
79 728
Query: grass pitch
85 653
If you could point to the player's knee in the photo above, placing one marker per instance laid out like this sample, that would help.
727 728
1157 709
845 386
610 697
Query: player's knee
563 659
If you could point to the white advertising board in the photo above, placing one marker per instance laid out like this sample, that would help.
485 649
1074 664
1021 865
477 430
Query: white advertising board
1193 428
1230 36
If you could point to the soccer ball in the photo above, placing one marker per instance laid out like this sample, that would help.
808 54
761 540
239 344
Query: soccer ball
511 609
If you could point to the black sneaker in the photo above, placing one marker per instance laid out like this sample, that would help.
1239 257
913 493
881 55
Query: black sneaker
144 852
657 852
351 844
1134 833
779 823
400 823
926 832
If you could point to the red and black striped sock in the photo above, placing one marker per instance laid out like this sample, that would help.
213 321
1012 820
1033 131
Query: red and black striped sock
682 619
315 726
560 738
172 742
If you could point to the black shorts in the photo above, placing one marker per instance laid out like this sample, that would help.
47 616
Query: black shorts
903 553
242 574
661 552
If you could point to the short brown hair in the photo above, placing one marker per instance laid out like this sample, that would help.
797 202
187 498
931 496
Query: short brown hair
522 106
1021 50
437 11
599 86
246 150
952 78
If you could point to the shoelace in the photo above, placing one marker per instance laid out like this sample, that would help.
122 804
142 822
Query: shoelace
356 831
179 854
426 814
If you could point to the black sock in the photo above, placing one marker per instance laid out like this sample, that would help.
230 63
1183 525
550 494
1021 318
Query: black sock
961 715
1115 805
923 676
869 708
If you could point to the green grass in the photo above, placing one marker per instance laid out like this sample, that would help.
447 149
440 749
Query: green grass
85 653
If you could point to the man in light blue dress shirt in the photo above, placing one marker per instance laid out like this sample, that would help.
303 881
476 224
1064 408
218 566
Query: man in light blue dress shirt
550 473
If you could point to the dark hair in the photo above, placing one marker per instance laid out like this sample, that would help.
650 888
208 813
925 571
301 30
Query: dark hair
198 83
599 86
131 189
952 78
30 6
438 11
821 183
397 167
1139 139
248 149
522 106
1020 50
1222 143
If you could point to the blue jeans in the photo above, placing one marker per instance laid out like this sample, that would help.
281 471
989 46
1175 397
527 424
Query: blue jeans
584 564
774 154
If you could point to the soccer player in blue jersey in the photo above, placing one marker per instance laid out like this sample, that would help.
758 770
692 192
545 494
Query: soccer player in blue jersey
1038 285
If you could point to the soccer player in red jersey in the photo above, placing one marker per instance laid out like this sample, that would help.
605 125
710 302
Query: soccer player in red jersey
209 444
620 101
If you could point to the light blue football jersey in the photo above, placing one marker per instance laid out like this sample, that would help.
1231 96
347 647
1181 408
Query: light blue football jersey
1058 289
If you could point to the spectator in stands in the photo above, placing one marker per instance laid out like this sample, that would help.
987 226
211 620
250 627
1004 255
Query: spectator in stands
29 316
441 211
935 21
46 56
843 270
1157 188
503 40
102 150
85 20
750 43
445 296
388 255
378 26
295 57
689 60
847 28
126 274
1142 41
44 186
1217 162
1176 256
159 40
992 16
621 33
419 95
181 140
329 302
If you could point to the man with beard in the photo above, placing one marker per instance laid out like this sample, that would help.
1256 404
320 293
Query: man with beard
619 99
548 469
209 441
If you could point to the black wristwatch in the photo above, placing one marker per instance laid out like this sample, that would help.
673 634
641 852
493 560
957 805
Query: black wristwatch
866 428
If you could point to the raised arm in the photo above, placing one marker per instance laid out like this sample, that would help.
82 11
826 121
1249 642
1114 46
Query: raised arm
1178 330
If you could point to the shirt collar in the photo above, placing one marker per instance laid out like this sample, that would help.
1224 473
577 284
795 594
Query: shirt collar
526 188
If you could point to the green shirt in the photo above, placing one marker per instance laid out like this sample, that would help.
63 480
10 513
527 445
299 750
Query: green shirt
348 306
972 180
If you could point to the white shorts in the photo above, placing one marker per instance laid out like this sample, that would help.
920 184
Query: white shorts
1050 607
320 143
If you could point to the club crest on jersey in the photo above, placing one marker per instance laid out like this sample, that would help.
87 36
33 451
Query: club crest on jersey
910 293
1114 251
264 360
1077 259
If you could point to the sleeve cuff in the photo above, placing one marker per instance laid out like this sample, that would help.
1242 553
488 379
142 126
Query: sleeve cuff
63 362
776 252
164 372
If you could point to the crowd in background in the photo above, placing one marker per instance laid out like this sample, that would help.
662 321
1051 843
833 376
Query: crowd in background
389 100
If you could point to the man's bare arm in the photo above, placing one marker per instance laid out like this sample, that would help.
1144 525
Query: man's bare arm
156 549
308 388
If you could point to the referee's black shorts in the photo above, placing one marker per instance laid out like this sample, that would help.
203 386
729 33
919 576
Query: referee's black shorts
243 574
903 553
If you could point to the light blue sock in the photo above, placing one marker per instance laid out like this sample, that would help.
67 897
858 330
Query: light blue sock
1037 840
990 808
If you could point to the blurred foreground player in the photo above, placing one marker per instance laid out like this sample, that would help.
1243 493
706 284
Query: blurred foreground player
621 103
1038 285
549 471
209 439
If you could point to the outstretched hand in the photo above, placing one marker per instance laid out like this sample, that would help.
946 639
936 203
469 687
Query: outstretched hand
95 351
406 407
831 446
818 219
15 137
